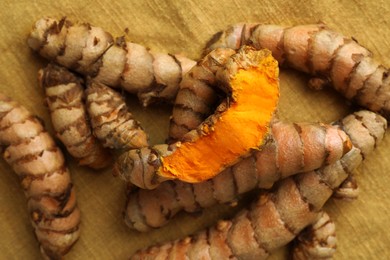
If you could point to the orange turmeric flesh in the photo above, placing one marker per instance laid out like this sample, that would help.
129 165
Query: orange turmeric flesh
236 130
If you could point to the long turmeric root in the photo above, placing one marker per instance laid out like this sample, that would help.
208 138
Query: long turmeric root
39 163
197 96
278 216
91 51
65 99
331 58
111 121
309 146
318 241
292 148
238 125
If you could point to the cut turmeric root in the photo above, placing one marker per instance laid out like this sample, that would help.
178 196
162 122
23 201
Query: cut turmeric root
281 214
91 51
39 163
239 125
331 58
65 99
290 149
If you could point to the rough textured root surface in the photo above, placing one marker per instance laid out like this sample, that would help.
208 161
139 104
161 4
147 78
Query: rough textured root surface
91 51
330 57
112 122
39 163
309 146
65 98
278 215
291 148
198 95
348 190
318 241
239 124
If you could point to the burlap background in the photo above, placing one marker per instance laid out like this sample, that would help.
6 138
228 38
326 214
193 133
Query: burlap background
185 26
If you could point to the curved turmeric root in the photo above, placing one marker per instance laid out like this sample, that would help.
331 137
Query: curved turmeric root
331 58
39 163
278 216
111 121
197 96
318 241
239 124
292 148
91 51
65 99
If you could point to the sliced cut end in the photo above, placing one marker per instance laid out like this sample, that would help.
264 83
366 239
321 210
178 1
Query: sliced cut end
239 125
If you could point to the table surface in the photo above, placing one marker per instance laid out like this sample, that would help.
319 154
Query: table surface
184 27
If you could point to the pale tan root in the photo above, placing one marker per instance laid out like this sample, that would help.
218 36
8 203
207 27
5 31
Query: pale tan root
65 99
112 122
329 57
91 51
39 163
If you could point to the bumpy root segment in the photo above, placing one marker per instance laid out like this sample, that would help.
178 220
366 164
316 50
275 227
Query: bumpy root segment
331 58
279 215
39 163
292 148
112 122
318 241
198 94
91 51
65 99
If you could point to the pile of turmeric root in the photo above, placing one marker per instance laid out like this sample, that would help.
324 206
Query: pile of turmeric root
225 138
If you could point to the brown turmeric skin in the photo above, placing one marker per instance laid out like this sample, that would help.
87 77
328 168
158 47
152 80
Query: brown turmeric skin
91 51
317 241
238 125
281 214
329 57
198 94
111 121
65 98
39 163
290 149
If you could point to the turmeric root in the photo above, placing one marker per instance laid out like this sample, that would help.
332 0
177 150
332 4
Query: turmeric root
292 148
91 51
65 99
111 121
237 126
318 241
197 96
279 215
331 58
39 163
